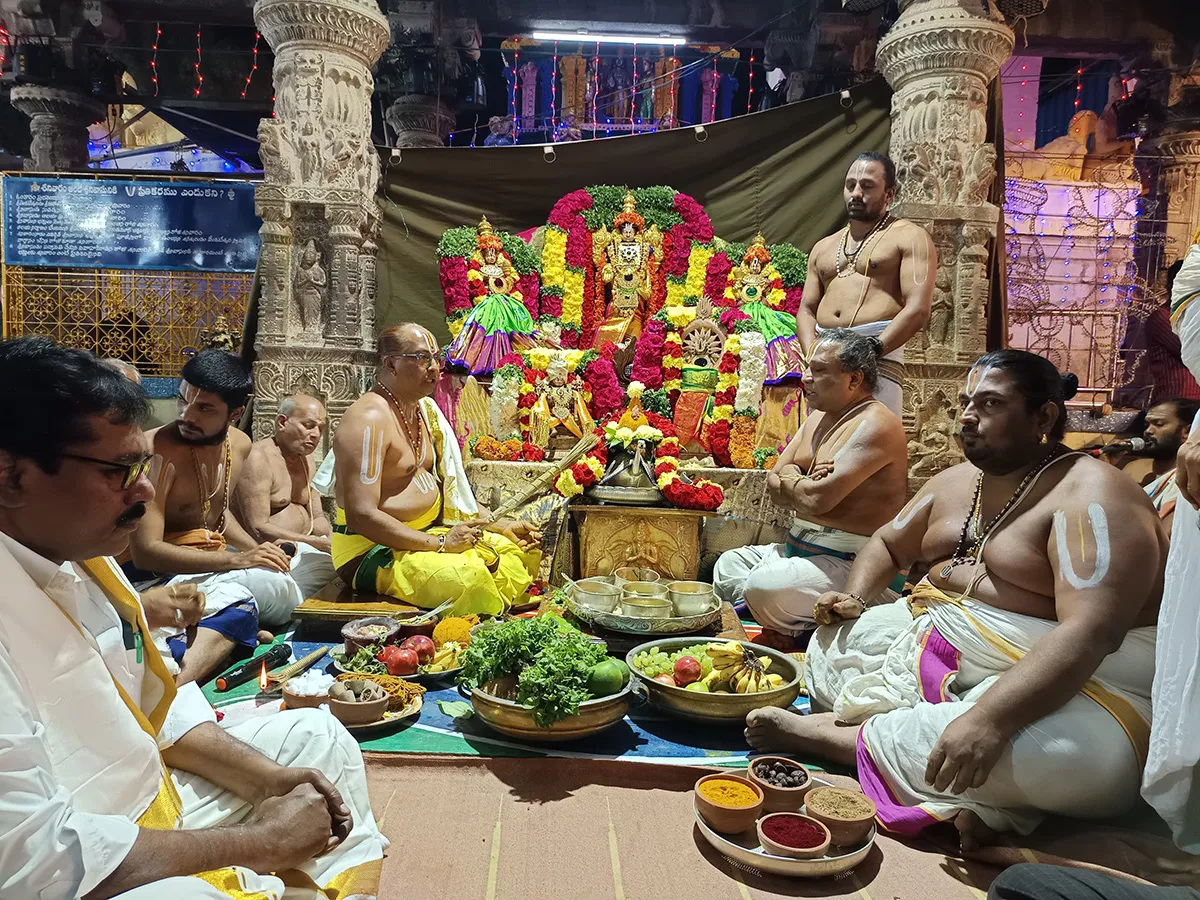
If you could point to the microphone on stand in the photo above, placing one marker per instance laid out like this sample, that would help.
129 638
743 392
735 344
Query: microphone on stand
1133 445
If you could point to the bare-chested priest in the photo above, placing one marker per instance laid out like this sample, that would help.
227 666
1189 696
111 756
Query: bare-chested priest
1015 681
407 522
274 497
190 535
844 474
875 276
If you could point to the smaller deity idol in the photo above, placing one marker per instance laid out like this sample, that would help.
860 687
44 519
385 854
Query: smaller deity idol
560 400
627 258
756 288
499 323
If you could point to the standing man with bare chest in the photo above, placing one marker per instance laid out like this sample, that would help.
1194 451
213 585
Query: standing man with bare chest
875 276
274 498
188 529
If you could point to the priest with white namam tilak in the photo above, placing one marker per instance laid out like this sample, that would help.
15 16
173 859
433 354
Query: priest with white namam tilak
113 781
1015 680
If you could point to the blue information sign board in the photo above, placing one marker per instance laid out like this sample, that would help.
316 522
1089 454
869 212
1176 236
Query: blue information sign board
109 224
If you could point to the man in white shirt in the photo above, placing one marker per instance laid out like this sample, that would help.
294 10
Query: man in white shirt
113 782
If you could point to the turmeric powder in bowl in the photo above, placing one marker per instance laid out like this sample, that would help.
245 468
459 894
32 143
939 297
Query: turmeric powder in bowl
456 629
728 793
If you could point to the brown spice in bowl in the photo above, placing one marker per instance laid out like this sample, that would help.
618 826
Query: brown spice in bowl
841 803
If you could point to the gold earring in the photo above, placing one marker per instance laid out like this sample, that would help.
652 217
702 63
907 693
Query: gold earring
1045 439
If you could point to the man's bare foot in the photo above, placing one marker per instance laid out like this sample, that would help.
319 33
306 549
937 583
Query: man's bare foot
972 833
816 735
265 637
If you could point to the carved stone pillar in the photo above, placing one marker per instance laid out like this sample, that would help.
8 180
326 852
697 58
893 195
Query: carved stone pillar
58 126
317 202
419 121
939 58
1179 179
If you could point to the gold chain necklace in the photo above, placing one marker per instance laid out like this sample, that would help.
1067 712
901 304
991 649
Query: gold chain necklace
843 253
963 555
206 495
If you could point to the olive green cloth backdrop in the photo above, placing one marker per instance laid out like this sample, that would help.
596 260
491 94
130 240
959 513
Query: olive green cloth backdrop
778 171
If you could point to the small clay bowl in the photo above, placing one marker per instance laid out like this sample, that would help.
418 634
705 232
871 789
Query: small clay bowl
303 701
728 819
844 832
407 630
355 640
358 713
777 849
780 799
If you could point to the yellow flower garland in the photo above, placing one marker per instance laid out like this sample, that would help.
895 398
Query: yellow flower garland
697 271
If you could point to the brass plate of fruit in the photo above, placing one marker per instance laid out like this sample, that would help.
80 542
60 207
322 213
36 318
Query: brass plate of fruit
511 718
720 701
614 621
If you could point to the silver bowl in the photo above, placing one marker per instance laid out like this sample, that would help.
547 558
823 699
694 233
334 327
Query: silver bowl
597 593
691 598
639 607
617 621
724 708
627 574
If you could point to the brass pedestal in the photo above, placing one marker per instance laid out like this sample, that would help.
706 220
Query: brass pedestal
666 540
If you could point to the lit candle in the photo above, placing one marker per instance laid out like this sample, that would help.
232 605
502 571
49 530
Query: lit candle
262 677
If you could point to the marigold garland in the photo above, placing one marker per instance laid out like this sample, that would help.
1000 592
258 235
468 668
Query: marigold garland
718 423
672 364
743 436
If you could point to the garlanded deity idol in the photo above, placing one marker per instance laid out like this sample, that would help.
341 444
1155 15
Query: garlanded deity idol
560 400
498 323
628 258
756 288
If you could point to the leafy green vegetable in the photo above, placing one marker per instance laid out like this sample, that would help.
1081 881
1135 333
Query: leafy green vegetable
363 661
551 659
456 709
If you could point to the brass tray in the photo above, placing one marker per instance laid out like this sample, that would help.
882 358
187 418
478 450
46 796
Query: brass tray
626 496
613 621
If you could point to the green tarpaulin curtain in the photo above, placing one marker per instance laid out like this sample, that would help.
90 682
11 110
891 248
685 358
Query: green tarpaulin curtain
779 171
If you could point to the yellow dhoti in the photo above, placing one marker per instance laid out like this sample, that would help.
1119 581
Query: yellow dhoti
486 580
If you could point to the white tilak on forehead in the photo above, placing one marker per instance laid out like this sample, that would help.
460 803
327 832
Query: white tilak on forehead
975 378
429 342
903 518
1099 523
187 392
858 169
372 457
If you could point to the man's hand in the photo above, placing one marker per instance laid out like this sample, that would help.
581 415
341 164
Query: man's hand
286 779
523 534
324 543
964 755
264 556
1187 469
293 828
834 606
461 538
177 606
821 470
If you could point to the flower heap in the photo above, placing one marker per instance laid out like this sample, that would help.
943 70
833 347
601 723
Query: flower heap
460 255
702 494
513 450
752 374
577 478
719 423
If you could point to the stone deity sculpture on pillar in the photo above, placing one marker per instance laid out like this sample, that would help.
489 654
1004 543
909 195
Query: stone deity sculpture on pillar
939 58
317 203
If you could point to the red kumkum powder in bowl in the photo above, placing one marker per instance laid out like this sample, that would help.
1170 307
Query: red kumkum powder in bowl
793 831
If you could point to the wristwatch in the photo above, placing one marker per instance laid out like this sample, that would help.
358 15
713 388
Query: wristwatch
441 543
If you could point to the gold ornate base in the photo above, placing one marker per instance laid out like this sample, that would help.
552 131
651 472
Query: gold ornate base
666 540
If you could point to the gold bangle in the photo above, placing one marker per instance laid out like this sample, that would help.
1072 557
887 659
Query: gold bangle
441 543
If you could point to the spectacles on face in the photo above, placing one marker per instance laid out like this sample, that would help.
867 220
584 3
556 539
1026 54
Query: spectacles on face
133 471
424 359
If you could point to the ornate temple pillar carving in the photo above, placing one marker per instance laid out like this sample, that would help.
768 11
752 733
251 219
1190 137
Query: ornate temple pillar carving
58 126
1178 156
939 58
317 202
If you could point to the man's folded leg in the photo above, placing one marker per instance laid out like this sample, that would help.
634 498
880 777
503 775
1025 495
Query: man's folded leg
304 739
312 569
276 594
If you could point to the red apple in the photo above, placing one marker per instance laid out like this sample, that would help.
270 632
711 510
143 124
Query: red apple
420 645
666 679
403 662
687 670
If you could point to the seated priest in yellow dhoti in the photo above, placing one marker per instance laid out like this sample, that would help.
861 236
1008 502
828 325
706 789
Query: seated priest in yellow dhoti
114 782
1015 681
407 522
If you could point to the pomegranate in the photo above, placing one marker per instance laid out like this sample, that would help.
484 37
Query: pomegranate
664 678
422 646
403 662
687 670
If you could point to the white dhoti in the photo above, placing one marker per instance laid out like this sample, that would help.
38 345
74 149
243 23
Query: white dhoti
312 570
276 594
780 583
1172 778
908 677
890 389
302 738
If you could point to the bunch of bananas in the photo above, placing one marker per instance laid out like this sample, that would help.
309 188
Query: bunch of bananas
744 672
446 658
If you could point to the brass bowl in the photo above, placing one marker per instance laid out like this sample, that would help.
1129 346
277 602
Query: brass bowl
514 720
638 607
722 708
691 598
596 593
626 574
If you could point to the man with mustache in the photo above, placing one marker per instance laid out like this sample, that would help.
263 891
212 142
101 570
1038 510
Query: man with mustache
1168 425
876 276
114 781
1015 681
189 533
274 498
